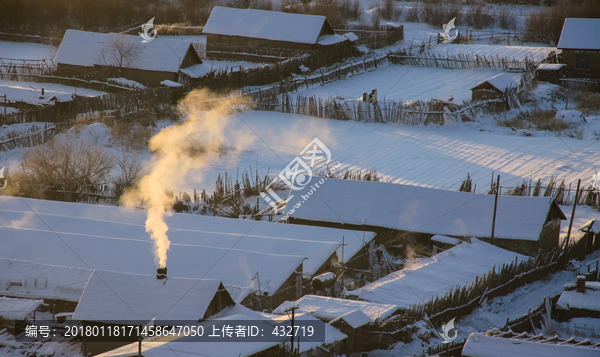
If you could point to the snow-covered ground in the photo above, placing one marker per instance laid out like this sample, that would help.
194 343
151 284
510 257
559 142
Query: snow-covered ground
208 66
396 82
25 50
31 92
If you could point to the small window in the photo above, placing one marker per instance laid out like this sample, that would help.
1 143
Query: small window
582 61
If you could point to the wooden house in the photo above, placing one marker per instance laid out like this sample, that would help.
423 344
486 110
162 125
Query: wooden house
112 298
96 55
493 88
580 46
228 27
414 214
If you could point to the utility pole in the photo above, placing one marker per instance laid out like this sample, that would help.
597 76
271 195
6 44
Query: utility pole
571 221
495 206
293 310
343 265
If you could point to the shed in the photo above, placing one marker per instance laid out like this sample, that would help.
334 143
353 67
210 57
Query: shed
90 53
523 224
551 72
580 45
493 88
579 303
230 26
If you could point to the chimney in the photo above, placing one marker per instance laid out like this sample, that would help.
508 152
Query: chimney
161 273
42 91
580 284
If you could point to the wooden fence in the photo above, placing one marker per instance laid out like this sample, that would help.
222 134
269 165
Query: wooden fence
461 61
25 38
12 67
592 84
36 135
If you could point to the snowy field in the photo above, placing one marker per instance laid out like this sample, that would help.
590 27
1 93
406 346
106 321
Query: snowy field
395 82
25 50
30 92
510 52
438 157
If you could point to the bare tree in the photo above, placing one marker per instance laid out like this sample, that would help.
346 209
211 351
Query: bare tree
120 51
65 166
130 170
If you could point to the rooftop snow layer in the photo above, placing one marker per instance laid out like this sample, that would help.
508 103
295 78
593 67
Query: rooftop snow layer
197 242
81 48
550 66
112 296
571 299
445 239
267 25
424 210
520 53
328 308
163 347
580 34
454 267
479 345
500 81
17 309
331 39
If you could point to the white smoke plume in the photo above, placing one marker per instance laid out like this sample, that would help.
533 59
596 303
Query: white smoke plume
173 159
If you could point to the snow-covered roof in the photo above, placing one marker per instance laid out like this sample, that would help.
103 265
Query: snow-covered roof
166 347
328 308
115 238
445 239
17 309
195 71
500 81
82 48
571 299
480 345
262 24
425 210
111 296
169 83
457 266
580 34
550 66
331 39
351 36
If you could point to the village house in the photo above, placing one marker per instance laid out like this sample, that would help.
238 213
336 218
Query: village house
493 88
580 299
412 215
118 298
96 54
580 46
228 27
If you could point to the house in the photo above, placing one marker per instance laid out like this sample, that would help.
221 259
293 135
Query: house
415 214
227 27
580 46
251 258
581 299
428 278
349 316
89 53
112 298
267 347
494 87
502 344
551 72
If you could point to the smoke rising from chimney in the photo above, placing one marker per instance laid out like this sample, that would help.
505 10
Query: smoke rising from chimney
173 158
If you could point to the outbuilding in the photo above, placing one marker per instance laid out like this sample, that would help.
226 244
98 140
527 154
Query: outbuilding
580 46
493 88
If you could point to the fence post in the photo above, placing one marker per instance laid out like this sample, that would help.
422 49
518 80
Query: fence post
571 222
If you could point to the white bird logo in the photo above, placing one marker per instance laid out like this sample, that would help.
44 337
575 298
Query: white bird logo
147 27
446 331
446 34
3 180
